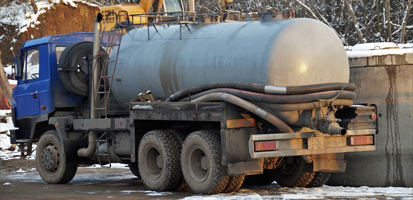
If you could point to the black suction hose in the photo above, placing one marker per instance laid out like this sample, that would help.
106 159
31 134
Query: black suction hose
260 88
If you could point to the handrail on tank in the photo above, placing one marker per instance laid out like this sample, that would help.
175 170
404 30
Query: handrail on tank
182 17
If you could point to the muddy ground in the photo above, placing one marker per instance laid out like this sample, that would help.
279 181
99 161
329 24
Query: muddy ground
20 180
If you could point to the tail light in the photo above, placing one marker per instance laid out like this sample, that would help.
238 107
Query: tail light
265 146
360 140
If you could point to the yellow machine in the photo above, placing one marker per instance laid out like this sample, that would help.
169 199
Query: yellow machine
149 6
144 7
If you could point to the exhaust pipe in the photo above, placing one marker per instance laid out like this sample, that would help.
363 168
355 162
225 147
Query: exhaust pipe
90 150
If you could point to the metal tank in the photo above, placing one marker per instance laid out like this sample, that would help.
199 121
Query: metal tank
289 52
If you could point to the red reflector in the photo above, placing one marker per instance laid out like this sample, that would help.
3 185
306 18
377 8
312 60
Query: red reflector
265 146
373 116
361 140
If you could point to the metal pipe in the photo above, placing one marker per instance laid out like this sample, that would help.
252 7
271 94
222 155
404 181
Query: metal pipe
87 152
248 106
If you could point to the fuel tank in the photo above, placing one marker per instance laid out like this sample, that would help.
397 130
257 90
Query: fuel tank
289 52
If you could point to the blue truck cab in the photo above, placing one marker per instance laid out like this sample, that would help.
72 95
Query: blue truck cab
39 92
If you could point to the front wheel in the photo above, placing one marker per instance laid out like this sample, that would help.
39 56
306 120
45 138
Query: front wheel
201 163
51 160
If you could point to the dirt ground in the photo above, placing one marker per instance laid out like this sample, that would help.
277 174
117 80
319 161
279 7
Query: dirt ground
16 164
20 180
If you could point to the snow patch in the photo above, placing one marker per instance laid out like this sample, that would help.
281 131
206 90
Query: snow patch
113 165
362 54
145 107
374 46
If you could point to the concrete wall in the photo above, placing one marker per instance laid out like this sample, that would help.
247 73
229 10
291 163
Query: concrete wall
387 81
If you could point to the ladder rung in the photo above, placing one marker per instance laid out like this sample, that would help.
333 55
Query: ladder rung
99 108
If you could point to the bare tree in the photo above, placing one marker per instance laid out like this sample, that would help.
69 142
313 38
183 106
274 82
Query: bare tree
406 17
390 38
356 24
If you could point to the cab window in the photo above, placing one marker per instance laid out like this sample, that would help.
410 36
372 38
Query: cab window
31 65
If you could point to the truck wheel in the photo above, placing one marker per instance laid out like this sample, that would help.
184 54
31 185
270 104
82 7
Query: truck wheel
180 136
267 177
234 183
74 63
158 160
51 160
134 168
201 163
294 172
320 178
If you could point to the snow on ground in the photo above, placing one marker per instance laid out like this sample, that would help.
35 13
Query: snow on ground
23 14
4 130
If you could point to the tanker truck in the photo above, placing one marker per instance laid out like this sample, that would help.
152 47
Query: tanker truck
188 104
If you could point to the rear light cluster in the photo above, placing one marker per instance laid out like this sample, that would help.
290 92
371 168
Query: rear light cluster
360 140
265 146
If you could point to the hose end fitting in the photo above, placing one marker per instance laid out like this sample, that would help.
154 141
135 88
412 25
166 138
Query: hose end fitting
332 128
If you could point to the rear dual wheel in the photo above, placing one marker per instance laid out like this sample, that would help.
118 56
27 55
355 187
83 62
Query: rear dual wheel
201 163
158 161
294 172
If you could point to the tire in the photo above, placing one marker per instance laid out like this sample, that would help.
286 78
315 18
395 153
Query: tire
266 178
76 81
158 160
234 183
180 136
51 160
294 172
319 179
201 163
134 168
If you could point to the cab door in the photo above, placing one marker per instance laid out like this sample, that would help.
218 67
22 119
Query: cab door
27 90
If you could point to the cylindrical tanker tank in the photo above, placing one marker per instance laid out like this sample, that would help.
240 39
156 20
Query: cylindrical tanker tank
288 52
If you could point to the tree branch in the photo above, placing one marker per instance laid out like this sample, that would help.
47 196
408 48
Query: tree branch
356 24
406 17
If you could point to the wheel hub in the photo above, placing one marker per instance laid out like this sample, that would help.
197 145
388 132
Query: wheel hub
198 164
159 161
50 158
153 162
204 163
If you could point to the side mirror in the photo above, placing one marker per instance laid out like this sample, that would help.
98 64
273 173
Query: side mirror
17 67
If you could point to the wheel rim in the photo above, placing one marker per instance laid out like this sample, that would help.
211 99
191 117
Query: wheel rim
198 164
153 162
50 158
83 62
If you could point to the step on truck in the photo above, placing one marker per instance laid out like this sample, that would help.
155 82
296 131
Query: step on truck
191 104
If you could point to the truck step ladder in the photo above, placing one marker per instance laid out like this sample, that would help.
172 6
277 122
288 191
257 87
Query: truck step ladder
112 39
103 139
